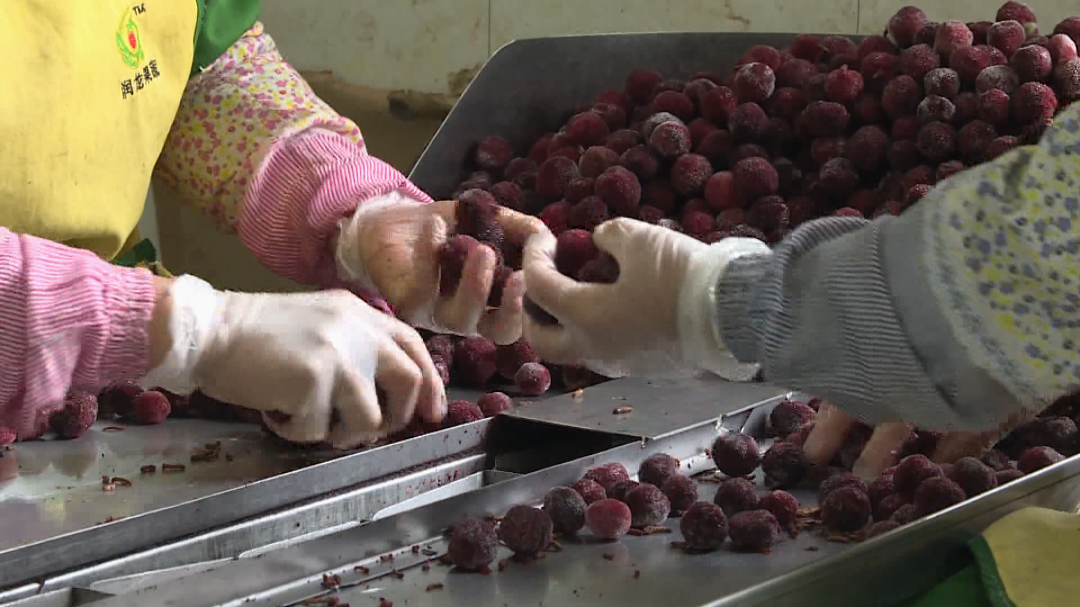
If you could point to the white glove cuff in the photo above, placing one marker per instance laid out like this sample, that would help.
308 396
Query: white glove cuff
699 333
350 266
195 309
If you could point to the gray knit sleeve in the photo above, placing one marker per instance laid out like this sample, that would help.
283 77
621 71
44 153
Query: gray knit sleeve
956 314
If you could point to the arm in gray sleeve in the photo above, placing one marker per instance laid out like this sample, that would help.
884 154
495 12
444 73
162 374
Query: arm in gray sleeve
955 315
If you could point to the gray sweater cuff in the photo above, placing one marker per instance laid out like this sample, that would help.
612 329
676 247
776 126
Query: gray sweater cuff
734 293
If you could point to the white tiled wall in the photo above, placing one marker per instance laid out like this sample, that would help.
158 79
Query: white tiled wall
432 46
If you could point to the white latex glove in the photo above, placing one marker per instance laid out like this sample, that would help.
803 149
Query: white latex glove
391 245
656 320
304 359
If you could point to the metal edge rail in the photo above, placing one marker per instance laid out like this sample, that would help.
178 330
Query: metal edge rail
30 562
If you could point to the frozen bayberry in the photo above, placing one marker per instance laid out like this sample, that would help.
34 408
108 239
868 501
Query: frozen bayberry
952 35
968 62
474 361
674 103
754 82
785 464
997 77
556 216
657 468
1037 458
974 138
736 495
937 141
1067 79
785 508
509 358
704 526
620 190
1006 36
149 408
589 490
843 85
916 62
846 509
689 174
884 509
1032 63
736 454
973 476
790 415
936 494
554 175
608 474
641 83
755 177
901 97
460 412
905 25
1020 12
1032 103
843 479
494 403
608 519
493 153
648 506
75 418
525 530
473 544
681 491
566 509
753 530
532 379
911 472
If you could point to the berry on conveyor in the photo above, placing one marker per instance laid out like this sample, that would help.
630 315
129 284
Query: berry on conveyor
621 488
973 476
460 412
785 508
936 494
1037 458
704 526
566 509
475 361
753 530
532 379
608 519
681 491
149 408
648 506
657 468
494 403
846 509
525 530
736 495
75 418
589 490
837 481
912 471
608 475
735 454
785 464
473 544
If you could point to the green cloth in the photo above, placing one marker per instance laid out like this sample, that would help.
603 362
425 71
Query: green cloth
1028 558
143 255
221 23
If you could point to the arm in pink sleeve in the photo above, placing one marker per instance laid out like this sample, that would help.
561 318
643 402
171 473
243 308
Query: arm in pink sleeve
254 147
67 319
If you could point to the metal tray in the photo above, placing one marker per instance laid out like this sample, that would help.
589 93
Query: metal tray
387 557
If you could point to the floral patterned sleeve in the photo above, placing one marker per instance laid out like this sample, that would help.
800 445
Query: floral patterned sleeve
254 147
961 313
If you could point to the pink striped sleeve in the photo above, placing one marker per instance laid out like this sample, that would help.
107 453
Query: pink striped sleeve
67 319
257 150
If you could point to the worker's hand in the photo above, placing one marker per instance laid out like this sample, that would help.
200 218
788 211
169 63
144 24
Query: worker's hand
392 245
657 319
321 366
831 426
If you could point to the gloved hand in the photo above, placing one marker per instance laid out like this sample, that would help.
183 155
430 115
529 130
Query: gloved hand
831 427
391 245
310 361
656 320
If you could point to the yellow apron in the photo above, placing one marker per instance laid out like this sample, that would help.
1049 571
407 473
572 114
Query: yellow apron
91 90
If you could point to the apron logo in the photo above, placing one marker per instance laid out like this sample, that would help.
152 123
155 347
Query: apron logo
127 38
129 44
